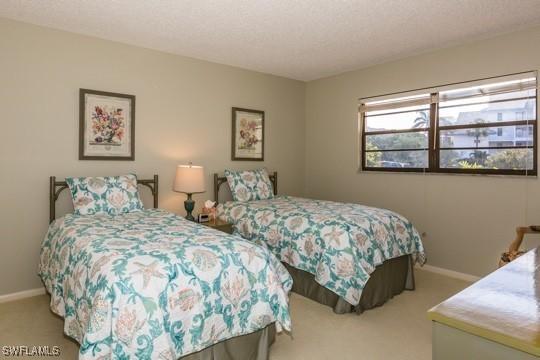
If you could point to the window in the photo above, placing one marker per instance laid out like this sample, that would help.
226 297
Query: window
482 127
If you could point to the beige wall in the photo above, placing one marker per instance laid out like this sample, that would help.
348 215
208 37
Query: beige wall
469 220
183 113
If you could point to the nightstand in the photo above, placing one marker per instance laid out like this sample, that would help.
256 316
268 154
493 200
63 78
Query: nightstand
219 225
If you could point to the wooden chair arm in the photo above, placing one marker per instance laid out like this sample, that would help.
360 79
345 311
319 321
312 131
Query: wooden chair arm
520 233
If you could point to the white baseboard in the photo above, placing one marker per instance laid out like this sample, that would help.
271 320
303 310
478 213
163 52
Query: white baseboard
22 295
449 273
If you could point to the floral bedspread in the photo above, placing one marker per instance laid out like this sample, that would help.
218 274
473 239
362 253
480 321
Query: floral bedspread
340 244
151 285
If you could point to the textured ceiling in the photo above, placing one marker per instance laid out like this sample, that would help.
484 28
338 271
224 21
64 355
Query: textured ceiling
303 39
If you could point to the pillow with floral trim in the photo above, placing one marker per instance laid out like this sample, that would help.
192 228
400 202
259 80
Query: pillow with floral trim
104 195
250 185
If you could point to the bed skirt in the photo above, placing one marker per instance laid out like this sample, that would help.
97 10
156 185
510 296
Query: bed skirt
254 346
389 279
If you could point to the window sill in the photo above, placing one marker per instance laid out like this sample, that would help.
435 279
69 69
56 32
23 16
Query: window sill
531 175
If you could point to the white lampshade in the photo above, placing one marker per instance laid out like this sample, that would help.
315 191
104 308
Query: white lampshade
189 179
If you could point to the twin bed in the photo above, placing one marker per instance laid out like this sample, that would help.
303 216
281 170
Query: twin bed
147 284
347 256
144 283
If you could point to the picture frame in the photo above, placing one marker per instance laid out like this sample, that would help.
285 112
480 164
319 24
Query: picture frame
247 134
106 125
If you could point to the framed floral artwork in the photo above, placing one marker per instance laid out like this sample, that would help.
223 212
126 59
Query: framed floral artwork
106 125
247 134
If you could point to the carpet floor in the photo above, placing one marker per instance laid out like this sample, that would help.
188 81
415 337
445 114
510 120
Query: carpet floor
397 330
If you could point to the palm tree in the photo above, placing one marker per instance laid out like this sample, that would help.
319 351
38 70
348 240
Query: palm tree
477 133
478 157
422 120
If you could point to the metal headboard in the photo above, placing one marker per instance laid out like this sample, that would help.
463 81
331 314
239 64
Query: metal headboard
220 180
56 187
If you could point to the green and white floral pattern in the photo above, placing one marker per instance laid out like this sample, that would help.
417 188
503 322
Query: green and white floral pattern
340 244
104 195
152 285
250 185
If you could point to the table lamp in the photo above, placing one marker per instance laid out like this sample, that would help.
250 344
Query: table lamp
189 180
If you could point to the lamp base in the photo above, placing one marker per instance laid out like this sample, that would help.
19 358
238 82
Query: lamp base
189 205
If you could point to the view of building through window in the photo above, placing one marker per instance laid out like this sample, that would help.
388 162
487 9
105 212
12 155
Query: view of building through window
487 128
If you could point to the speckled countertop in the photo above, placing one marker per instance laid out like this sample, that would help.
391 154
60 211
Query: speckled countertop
503 307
